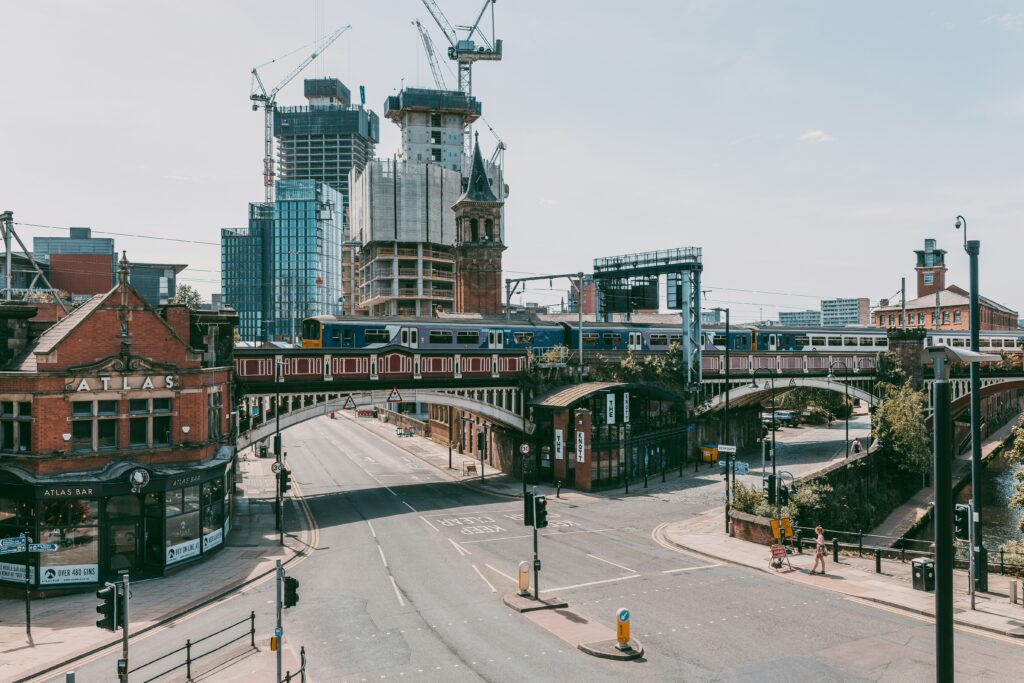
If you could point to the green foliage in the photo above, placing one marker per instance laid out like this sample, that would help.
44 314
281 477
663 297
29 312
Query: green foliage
186 295
811 502
747 498
899 427
1014 453
1013 555
889 374
804 399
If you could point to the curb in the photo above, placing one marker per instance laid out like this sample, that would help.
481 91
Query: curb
524 604
168 618
1016 633
605 649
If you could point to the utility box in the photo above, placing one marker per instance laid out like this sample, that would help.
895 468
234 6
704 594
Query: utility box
923 572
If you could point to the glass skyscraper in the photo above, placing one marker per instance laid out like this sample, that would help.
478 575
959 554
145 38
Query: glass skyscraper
286 265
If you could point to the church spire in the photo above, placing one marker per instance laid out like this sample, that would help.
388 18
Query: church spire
479 188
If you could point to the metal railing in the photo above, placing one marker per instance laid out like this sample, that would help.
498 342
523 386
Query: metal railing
301 673
189 644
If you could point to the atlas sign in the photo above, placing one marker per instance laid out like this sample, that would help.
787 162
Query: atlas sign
122 382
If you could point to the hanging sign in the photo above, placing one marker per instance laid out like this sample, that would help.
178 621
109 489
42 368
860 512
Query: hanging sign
625 408
581 447
610 408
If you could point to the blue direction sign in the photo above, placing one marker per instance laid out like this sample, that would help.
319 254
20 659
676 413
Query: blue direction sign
742 467
42 547
13 540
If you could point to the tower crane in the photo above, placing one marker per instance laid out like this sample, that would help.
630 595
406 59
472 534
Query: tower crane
428 47
260 97
465 50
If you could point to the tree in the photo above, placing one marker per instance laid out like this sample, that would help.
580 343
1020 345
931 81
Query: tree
804 398
1015 454
889 374
899 427
186 295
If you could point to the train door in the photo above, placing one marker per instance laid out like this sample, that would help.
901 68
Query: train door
773 342
636 341
410 337
495 339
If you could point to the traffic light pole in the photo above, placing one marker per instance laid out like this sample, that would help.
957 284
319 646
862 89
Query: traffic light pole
942 444
536 558
972 574
123 669
279 631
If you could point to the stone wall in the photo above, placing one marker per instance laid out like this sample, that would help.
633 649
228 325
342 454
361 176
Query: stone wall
751 528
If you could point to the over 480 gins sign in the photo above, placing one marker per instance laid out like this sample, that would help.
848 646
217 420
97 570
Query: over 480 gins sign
122 383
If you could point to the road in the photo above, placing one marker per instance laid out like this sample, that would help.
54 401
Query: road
407 581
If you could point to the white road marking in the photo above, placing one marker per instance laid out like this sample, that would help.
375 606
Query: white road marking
408 506
557 533
690 569
385 488
631 571
382 558
398 593
369 459
372 532
480 574
591 583
428 523
498 571
462 551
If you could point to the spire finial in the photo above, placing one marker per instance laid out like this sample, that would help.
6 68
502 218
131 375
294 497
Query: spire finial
122 268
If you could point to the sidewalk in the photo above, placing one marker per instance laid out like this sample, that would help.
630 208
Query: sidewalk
853 576
63 627
904 518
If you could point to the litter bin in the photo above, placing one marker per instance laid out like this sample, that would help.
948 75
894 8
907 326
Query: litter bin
923 572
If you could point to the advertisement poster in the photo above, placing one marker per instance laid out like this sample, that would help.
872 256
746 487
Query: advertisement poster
559 445
69 573
14 572
182 551
213 539
581 447
610 408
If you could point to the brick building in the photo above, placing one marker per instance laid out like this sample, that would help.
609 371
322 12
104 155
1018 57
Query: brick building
115 427
938 306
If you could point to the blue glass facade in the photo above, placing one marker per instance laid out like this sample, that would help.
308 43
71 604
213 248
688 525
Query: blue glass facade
286 265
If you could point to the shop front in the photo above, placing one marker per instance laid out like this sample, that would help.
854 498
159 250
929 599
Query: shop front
141 520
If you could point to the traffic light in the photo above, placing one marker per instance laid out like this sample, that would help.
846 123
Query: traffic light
291 591
962 521
108 608
783 495
284 480
540 516
771 489
528 509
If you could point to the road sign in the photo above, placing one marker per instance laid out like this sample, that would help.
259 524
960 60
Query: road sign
726 449
13 540
8 549
349 404
395 397
42 547
741 467
622 630
524 449
275 468
255 411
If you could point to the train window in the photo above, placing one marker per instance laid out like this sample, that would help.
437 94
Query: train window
377 336
866 341
835 341
522 337
467 337
590 338
659 340
675 339
959 342
718 340
441 336
997 343
311 329
849 341
612 338
800 340
335 336
881 341
817 341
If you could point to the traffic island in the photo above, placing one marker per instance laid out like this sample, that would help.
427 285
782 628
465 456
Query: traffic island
526 603
609 649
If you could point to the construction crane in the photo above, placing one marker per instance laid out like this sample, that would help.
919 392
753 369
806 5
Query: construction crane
260 97
465 50
428 47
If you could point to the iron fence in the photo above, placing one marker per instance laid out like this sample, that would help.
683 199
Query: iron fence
189 644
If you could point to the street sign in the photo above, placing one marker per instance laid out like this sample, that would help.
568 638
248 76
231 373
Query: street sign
394 397
255 411
13 540
42 547
622 629
741 467
8 549
524 449
726 449
275 468
349 404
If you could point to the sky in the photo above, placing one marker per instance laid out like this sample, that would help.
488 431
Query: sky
808 148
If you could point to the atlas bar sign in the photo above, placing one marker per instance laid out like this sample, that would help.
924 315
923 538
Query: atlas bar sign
122 382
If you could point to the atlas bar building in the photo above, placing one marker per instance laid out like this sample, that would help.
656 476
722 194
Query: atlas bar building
115 444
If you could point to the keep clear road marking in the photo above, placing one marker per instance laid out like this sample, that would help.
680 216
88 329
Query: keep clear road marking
408 506
690 569
480 574
498 571
631 571
462 551
429 524
590 583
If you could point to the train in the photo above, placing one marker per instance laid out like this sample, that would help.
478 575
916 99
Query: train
539 336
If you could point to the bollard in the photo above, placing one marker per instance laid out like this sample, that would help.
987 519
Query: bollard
188 659
558 489
878 560
622 629
1002 567
860 544
903 551
1013 592
835 550
69 677
252 628
524 578
799 543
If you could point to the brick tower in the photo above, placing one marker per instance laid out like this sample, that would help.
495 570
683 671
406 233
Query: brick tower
478 243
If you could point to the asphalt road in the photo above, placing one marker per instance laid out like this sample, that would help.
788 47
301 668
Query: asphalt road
410 569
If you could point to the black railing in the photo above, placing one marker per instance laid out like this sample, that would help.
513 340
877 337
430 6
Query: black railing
301 673
189 644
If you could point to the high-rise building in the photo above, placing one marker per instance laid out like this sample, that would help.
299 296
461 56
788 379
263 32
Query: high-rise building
326 139
155 282
808 318
433 124
286 265
79 263
844 312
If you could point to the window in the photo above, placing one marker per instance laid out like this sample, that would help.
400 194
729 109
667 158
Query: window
929 278
835 341
214 413
149 424
935 319
106 434
799 341
467 338
590 338
957 316
881 341
435 120
866 341
945 317
522 337
138 432
662 340
435 154
377 336
675 339
72 525
441 336
162 431
613 338
15 426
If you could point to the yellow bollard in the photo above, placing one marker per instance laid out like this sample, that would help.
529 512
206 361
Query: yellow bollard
524 578
622 630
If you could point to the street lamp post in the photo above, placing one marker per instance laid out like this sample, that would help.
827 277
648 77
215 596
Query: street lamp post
846 390
973 249
278 378
729 460
775 456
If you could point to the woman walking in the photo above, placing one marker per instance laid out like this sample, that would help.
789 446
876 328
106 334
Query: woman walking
819 551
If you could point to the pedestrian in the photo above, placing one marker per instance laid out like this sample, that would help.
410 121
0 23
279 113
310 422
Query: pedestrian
819 551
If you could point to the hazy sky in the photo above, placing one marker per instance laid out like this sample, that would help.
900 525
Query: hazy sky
807 147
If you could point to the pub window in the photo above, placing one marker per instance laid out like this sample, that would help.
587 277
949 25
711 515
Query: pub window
149 424
214 414
182 513
15 426
72 525
162 431
213 505
138 428
106 434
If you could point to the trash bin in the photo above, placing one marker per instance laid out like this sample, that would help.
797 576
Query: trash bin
923 572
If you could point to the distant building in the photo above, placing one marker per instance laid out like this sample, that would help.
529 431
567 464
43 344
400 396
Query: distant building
155 282
808 318
845 312
589 300
286 265
80 263
23 275
711 317
938 306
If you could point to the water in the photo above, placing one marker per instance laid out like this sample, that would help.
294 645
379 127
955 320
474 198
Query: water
999 522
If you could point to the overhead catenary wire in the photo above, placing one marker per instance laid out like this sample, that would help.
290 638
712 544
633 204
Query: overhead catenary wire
122 234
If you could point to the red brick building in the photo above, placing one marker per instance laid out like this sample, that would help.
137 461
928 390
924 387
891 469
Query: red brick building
115 443
478 245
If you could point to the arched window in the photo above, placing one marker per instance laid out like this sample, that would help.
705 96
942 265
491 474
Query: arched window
474 230
489 228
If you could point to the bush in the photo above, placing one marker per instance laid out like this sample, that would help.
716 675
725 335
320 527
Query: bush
1013 555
